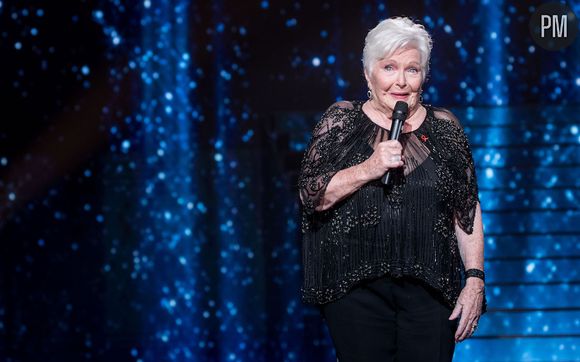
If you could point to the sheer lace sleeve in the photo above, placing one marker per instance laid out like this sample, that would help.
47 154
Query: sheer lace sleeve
324 155
466 198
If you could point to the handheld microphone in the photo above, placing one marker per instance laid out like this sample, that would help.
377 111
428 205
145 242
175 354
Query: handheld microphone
399 116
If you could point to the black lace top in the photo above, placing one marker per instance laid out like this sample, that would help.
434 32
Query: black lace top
406 229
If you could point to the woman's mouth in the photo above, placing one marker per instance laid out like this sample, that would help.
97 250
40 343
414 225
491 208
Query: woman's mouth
400 95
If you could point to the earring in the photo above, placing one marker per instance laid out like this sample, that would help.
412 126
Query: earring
370 94
421 97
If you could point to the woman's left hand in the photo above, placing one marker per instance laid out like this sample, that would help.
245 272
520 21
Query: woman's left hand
469 306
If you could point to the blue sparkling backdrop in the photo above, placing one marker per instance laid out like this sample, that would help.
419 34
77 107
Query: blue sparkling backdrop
149 158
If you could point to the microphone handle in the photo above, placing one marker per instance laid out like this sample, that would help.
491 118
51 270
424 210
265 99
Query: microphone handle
386 178
395 132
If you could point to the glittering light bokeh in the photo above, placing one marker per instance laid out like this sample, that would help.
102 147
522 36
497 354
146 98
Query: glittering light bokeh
149 158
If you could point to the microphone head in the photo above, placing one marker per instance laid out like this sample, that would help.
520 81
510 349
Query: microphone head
401 110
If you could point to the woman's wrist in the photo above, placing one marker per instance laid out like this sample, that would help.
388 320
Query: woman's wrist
475 278
364 173
475 284
475 273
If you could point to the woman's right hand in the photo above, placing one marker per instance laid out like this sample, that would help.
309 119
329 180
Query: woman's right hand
387 155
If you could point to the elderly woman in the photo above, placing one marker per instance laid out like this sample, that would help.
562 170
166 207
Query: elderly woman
396 269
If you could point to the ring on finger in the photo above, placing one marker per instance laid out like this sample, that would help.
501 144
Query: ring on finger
396 158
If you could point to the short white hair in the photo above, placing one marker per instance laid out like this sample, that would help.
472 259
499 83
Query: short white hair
393 34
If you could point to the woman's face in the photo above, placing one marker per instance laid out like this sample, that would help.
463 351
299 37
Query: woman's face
396 78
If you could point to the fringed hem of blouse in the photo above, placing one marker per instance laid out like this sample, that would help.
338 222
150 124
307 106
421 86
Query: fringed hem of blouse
366 273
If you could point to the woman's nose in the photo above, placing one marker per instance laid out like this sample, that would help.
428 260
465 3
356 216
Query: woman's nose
401 80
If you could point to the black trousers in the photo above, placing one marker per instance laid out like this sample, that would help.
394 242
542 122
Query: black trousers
391 319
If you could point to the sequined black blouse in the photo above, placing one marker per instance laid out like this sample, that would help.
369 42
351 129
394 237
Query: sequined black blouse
406 229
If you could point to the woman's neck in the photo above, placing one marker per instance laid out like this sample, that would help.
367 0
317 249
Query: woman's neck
384 118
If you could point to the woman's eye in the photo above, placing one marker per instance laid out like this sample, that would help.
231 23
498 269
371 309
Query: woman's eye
413 70
389 67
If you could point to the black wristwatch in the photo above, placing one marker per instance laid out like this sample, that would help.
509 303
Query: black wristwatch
475 273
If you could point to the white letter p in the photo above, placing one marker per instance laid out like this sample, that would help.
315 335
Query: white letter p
546 19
